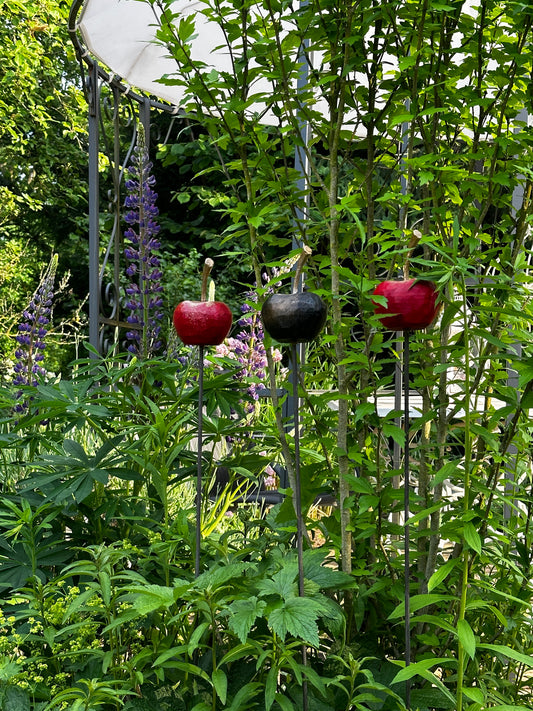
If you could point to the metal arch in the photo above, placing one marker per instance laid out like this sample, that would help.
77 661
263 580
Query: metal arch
113 106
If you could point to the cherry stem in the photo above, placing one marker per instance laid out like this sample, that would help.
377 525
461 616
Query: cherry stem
304 256
208 265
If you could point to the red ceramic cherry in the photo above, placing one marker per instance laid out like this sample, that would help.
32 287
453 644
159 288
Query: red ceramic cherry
202 323
411 304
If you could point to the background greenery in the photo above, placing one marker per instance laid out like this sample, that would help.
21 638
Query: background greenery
429 177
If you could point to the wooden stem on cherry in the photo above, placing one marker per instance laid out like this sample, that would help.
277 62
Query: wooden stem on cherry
208 265
304 256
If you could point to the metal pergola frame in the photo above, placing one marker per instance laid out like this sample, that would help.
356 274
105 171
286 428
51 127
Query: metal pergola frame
111 104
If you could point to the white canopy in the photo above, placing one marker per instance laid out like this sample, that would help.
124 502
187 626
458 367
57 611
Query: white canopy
122 35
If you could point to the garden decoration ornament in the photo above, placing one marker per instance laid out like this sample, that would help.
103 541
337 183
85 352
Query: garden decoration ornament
201 323
291 319
408 305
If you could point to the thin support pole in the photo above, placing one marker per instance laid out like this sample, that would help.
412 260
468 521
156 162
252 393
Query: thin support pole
298 502
407 563
199 461
94 208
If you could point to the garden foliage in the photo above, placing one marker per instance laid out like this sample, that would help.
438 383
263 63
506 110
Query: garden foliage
416 162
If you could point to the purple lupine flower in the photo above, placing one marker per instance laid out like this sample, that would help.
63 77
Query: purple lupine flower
32 331
248 348
144 300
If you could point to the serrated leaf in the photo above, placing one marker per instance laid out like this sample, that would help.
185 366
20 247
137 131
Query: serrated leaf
216 577
321 574
297 616
149 598
243 614
282 583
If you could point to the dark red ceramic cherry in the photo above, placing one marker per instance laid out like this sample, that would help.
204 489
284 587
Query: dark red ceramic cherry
202 323
294 318
411 304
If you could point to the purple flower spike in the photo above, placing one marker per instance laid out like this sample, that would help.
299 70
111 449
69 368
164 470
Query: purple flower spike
32 332
140 253
249 350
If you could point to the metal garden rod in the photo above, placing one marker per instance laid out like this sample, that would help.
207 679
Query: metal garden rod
199 461
407 562
298 500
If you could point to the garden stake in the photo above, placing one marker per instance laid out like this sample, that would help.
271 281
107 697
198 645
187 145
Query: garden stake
199 461
296 318
407 585
411 305
201 323
298 500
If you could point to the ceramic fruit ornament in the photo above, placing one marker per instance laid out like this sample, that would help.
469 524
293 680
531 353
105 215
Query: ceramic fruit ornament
411 304
294 318
202 323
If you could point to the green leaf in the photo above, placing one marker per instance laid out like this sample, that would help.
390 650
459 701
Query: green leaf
394 432
472 537
281 583
442 573
149 598
475 694
220 683
243 614
75 450
284 702
297 616
419 601
319 572
509 653
466 638
417 668
196 636
271 686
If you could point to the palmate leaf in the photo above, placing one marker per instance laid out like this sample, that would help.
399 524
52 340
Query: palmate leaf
282 583
296 616
243 614
324 576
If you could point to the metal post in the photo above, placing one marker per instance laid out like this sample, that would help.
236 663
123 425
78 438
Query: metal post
94 207
298 501
199 461
407 560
